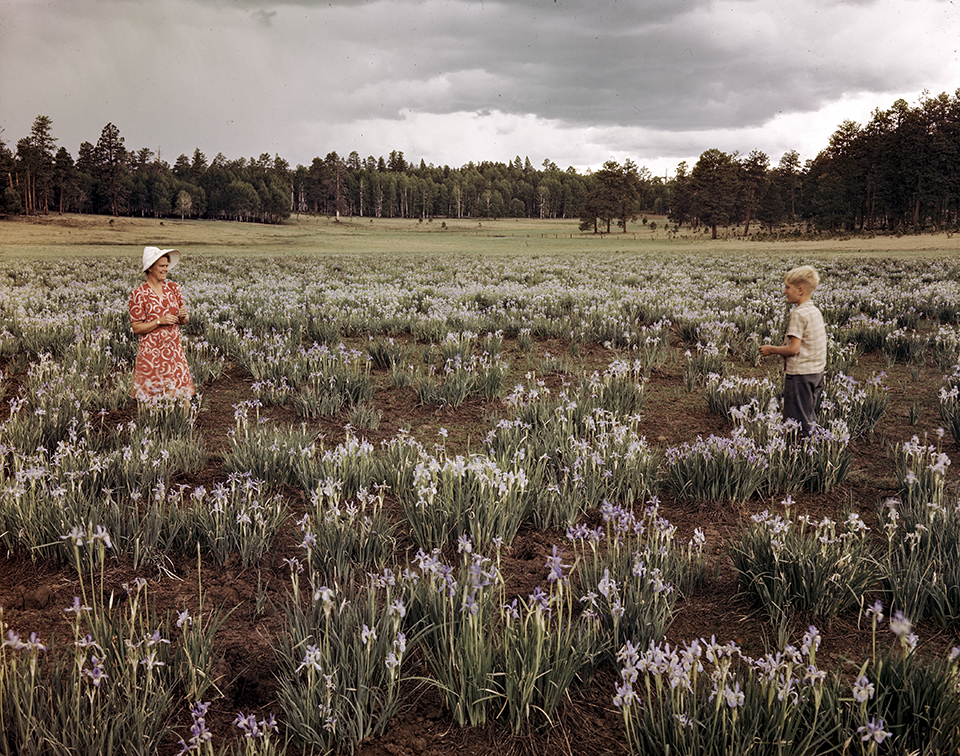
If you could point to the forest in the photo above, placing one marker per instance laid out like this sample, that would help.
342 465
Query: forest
898 173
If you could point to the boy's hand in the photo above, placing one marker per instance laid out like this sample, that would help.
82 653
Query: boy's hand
790 347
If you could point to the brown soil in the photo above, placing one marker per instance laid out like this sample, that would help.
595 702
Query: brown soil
34 594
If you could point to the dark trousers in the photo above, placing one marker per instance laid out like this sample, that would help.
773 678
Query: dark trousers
800 394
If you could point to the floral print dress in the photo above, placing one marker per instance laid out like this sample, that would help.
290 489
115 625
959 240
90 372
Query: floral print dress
161 370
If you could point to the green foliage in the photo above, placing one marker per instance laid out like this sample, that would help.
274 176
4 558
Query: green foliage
473 495
902 345
912 702
707 698
725 393
341 659
630 573
949 402
817 463
577 452
858 405
464 375
707 361
114 689
922 575
235 520
489 657
716 468
273 455
340 534
798 567
615 196
710 192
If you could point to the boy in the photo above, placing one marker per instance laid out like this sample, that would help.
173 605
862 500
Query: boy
804 349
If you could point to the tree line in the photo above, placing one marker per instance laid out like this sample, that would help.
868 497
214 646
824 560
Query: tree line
107 178
901 171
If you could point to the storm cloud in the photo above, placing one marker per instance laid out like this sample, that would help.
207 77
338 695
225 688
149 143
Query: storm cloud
450 81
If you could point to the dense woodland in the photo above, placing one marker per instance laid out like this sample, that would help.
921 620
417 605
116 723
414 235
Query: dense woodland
899 172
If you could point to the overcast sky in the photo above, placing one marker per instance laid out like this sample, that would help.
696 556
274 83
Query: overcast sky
452 81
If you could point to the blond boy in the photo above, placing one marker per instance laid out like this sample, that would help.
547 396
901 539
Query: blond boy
804 349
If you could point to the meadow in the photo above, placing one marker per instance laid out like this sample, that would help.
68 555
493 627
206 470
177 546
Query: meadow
476 486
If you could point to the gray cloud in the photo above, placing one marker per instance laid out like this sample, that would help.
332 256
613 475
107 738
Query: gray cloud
265 17
676 65
590 78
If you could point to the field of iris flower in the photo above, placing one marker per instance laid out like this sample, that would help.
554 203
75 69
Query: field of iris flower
478 490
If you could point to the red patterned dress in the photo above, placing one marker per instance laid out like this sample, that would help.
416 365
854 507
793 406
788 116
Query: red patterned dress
161 369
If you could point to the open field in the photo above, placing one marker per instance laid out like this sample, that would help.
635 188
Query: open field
373 395
96 234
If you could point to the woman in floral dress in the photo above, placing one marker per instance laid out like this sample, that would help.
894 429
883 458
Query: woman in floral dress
156 313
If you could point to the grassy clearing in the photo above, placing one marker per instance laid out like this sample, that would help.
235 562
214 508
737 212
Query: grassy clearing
51 236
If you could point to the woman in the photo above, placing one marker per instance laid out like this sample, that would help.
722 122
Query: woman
156 312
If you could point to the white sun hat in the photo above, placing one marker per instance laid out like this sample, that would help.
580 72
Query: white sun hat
152 254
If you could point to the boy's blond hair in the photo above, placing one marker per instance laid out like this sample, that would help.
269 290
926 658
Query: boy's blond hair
805 276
